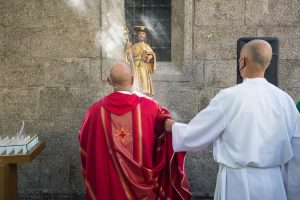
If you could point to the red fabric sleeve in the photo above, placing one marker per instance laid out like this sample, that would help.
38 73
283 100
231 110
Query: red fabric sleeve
173 177
83 138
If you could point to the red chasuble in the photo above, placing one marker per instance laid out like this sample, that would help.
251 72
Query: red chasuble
125 153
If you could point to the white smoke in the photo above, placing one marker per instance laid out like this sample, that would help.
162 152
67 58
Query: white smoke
112 35
112 40
159 33
77 4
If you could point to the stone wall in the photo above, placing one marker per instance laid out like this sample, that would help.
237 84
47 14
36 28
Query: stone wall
50 73
52 70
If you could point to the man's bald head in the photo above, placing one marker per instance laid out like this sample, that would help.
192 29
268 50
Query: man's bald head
259 53
120 75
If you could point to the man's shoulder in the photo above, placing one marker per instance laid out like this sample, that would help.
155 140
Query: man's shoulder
229 95
242 90
230 90
149 100
146 99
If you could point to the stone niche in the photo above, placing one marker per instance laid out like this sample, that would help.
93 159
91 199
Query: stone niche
113 15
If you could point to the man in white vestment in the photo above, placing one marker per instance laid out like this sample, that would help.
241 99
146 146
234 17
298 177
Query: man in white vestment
255 131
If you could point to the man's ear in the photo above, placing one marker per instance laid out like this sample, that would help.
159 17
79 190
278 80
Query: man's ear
131 80
108 80
243 62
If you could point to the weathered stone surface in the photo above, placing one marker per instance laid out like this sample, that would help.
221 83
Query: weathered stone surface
71 13
206 95
177 36
289 73
64 102
21 72
63 43
276 12
95 72
202 171
16 42
289 40
220 73
19 103
105 66
60 157
46 195
2 39
22 14
168 71
75 72
197 72
30 173
219 42
67 72
188 30
67 171
38 14
294 92
182 103
218 12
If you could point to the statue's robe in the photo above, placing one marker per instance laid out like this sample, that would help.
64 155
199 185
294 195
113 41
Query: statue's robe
125 153
142 69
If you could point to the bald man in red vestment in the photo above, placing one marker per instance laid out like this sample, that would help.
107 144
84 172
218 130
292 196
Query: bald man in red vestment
125 152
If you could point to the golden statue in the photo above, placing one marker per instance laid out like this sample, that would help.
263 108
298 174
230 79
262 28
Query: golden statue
143 61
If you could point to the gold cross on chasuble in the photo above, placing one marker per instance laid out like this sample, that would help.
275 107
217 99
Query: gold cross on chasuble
122 135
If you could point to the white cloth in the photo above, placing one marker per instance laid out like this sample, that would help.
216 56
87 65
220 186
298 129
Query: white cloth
255 130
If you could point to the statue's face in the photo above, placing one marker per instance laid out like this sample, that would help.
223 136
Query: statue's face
142 36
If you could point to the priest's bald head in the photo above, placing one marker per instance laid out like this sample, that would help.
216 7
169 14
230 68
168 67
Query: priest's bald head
120 76
255 57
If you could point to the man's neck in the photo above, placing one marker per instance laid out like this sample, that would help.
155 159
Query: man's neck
123 90
255 74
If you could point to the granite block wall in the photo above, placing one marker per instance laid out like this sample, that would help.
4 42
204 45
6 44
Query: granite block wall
51 70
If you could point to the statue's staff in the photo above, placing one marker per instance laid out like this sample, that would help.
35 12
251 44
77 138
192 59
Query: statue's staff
131 56
128 41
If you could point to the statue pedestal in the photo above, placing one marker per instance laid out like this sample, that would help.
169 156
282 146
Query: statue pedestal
9 171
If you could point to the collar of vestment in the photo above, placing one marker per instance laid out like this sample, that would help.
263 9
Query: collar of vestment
120 102
125 92
134 92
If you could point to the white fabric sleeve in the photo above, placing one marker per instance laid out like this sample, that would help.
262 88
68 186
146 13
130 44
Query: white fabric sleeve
291 172
202 130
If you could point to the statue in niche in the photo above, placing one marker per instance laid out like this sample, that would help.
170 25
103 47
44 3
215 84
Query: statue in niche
143 61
